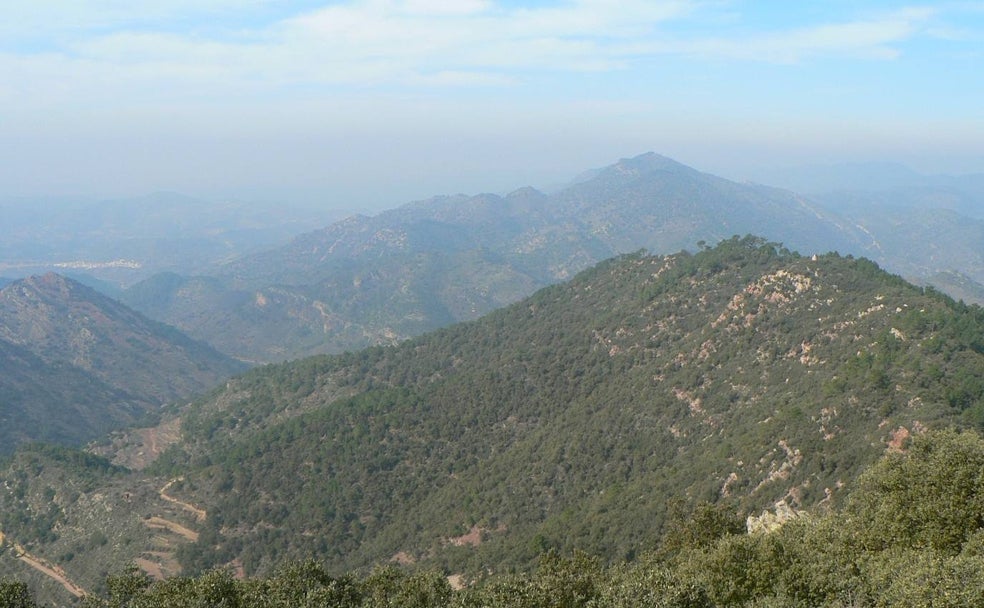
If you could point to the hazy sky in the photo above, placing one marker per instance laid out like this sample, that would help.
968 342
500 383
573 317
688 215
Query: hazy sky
376 102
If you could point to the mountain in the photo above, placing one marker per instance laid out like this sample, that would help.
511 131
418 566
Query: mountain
578 417
376 280
76 364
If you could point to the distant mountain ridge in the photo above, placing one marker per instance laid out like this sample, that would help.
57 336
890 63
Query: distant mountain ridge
375 280
89 363
649 201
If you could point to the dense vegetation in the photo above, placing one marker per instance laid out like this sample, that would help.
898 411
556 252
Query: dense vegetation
911 535
593 416
570 420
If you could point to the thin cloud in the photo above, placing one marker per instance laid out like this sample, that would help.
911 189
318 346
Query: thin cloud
445 7
127 51
57 20
450 78
416 43
877 39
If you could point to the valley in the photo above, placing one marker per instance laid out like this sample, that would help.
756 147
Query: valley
110 244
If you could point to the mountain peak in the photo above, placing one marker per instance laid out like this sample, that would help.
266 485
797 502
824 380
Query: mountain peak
526 193
58 290
49 281
653 162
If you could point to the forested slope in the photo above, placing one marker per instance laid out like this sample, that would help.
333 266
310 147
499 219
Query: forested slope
909 535
589 416
572 419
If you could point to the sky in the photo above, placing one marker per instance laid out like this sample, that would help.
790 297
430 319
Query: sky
366 104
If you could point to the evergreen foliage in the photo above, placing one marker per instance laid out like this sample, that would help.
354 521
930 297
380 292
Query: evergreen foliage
855 556
575 418
637 413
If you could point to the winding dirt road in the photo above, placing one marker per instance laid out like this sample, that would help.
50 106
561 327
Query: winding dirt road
200 514
45 567
57 574
159 523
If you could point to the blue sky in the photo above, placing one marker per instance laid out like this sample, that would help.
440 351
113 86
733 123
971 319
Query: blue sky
370 103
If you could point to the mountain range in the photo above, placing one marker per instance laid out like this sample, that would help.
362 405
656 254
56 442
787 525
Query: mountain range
76 363
378 280
577 417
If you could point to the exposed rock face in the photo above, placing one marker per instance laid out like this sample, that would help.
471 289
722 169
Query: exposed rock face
769 521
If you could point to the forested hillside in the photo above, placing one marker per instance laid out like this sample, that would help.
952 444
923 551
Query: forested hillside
588 416
908 535
570 420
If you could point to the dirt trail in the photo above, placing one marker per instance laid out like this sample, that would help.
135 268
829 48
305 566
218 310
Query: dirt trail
152 569
46 568
200 514
159 523
53 572
161 563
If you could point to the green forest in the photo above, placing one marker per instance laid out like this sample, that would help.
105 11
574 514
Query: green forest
607 441
910 535
568 420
